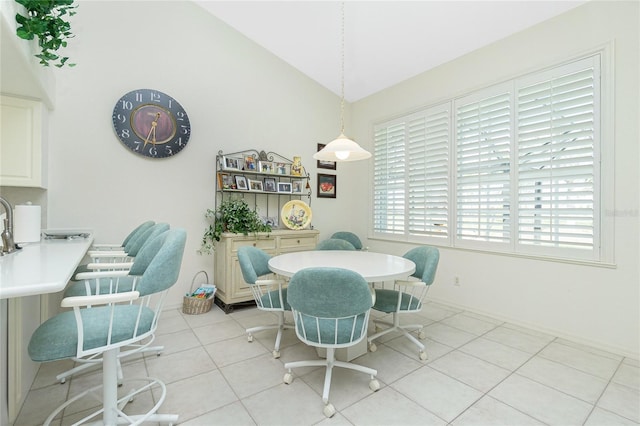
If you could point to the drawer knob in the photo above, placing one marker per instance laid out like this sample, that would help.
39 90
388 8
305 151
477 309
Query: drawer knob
298 241
254 244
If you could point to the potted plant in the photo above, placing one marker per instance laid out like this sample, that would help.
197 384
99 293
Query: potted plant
46 20
233 215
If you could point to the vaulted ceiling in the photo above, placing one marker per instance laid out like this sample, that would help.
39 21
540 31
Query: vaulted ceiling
386 42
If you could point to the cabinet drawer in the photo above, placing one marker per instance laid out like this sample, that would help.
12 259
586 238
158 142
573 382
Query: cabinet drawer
264 244
307 242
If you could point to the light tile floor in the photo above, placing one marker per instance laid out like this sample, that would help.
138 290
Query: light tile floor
480 371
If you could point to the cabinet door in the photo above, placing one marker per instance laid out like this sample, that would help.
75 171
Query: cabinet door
21 162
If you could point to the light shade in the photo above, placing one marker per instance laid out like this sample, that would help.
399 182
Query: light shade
342 149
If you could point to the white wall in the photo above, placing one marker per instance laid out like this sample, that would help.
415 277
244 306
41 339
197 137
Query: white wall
238 96
589 304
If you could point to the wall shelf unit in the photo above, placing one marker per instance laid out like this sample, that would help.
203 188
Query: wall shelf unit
266 181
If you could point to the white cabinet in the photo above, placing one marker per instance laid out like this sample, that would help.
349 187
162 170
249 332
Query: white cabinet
21 142
232 288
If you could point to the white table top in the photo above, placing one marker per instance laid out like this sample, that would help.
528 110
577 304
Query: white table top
372 266
40 268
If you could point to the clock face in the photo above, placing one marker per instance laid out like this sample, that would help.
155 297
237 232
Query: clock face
151 123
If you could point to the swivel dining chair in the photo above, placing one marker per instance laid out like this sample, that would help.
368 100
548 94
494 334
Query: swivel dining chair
270 295
113 252
330 310
106 282
349 236
334 244
114 321
407 297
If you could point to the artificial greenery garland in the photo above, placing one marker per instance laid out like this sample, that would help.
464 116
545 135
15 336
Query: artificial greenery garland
46 20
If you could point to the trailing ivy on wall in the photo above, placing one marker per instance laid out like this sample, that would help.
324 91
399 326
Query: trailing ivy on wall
46 20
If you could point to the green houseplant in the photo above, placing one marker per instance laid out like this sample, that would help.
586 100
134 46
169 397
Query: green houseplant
46 20
233 215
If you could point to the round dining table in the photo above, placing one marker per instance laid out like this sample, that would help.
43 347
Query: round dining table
374 267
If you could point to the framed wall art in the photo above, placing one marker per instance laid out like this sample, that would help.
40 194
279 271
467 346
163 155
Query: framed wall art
326 186
331 165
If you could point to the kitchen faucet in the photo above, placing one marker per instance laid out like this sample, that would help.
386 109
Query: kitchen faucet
8 245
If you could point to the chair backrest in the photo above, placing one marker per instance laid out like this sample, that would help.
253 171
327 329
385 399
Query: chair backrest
254 263
136 244
349 236
137 232
330 305
163 270
426 259
334 244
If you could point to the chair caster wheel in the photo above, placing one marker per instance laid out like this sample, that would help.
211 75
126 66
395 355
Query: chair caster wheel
250 338
276 354
329 410
423 355
63 381
421 335
372 347
288 378
374 385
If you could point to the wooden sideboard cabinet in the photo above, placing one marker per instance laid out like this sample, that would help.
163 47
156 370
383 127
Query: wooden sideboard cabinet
231 287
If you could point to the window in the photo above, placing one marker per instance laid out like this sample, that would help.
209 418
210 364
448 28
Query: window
511 168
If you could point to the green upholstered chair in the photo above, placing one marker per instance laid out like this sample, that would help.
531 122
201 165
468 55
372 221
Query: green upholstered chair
334 244
349 236
103 281
92 284
114 253
407 296
330 310
111 322
269 294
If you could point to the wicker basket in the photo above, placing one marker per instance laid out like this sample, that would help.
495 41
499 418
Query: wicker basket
195 305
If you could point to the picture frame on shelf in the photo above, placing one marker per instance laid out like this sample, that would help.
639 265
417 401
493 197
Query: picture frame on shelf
224 181
282 169
255 185
331 165
284 187
266 167
250 163
297 186
326 186
270 220
241 183
231 163
269 185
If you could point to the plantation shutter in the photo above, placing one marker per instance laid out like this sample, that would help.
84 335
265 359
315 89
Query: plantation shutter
428 175
556 135
389 179
483 155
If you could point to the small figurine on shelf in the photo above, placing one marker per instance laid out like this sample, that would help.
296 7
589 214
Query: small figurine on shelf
296 166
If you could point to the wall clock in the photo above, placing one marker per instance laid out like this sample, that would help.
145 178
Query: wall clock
151 123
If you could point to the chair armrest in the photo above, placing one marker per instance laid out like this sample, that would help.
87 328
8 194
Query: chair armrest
121 265
270 282
106 254
101 274
408 283
101 299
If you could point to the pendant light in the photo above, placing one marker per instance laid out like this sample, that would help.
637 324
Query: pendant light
342 148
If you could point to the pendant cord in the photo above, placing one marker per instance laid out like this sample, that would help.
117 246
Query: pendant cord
342 76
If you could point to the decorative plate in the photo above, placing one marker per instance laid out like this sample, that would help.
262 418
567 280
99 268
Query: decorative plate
296 214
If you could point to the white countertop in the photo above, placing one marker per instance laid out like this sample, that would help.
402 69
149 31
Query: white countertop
43 267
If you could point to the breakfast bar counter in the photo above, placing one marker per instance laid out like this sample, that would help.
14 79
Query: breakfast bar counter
44 267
